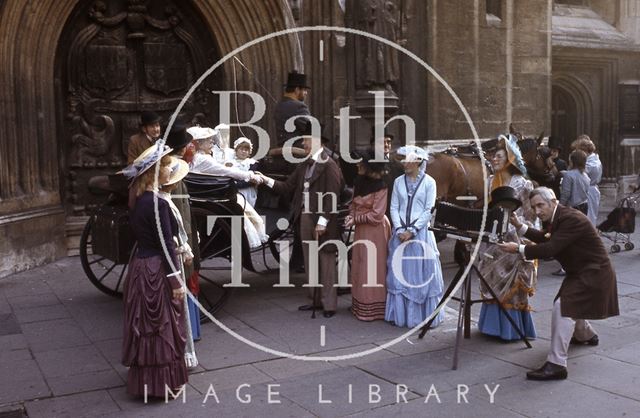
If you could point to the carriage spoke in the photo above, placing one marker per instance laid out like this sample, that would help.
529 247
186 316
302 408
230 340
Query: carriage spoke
120 278
107 272
220 252
97 261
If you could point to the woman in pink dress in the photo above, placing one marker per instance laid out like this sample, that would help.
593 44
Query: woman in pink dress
367 214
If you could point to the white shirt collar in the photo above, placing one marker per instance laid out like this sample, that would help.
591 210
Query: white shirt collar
554 213
315 156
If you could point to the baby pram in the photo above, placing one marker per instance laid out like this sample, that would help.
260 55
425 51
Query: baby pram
621 223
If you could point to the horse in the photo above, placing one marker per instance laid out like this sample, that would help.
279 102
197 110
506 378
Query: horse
537 159
459 178
459 175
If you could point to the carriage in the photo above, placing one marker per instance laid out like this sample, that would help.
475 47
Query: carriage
107 243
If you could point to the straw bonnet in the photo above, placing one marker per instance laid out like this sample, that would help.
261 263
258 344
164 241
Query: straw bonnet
199 133
179 170
145 161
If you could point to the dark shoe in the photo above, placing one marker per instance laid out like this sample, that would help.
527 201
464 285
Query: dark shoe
549 371
560 272
591 341
328 314
309 308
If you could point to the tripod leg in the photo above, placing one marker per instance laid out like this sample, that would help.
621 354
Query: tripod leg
502 310
461 310
446 294
467 308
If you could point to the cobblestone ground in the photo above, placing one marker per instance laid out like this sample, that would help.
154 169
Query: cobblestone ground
60 356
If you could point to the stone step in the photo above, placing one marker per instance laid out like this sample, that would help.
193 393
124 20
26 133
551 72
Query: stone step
73 230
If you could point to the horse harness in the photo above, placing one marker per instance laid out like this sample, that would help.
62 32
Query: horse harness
467 151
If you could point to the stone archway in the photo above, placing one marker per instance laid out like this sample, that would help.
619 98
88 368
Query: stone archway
115 60
30 168
571 111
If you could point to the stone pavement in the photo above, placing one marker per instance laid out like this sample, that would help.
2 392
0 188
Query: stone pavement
60 356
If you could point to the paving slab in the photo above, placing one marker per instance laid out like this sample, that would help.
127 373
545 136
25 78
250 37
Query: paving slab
629 354
101 321
21 380
565 398
33 301
51 335
614 376
41 313
88 404
13 342
71 361
227 378
285 367
217 349
244 401
419 371
9 325
379 355
327 394
449 406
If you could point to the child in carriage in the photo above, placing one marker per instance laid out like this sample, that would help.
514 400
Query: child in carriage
242 161
205 163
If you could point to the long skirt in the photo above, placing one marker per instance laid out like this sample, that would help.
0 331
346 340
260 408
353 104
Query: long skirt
513 279
414 285
368 302
154 335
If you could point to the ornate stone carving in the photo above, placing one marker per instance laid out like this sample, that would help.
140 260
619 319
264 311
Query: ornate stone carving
122 57
377 62
92 136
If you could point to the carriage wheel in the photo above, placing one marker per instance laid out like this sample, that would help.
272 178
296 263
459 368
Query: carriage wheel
106 275
629 246
615 248
215 252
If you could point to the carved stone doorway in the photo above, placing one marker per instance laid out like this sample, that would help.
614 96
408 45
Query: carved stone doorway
564 121
115 59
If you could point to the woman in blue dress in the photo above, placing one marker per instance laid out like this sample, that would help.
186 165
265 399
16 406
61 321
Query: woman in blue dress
414 274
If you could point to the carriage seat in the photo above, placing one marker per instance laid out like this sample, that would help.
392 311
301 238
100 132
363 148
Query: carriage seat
206 186
111 183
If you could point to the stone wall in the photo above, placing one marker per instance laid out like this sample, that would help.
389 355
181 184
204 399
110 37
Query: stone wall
499 66
32 218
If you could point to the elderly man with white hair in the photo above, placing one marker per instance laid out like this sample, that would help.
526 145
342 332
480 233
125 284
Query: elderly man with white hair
588 291
204 162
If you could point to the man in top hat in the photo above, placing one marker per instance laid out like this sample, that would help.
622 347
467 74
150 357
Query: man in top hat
589 290
314 188
148 135
292 104
556 149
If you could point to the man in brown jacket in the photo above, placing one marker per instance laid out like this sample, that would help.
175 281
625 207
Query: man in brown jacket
588 291
315 188
148 135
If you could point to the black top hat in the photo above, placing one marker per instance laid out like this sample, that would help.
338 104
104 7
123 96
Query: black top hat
553 143
505 197
368 155
149 118
386 134
178 137
296 79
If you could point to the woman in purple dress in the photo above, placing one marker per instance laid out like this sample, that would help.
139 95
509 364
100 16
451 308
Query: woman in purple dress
154 337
